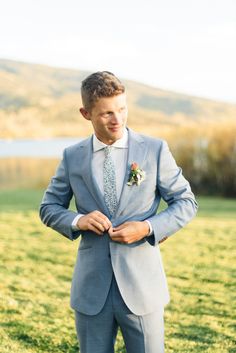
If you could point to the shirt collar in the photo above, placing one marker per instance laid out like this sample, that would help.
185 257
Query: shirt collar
121 143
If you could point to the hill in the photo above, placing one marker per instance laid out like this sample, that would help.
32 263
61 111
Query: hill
42 101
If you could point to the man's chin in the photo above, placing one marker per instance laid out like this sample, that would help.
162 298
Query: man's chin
116 135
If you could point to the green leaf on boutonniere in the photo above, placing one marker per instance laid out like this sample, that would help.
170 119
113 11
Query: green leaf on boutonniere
137 175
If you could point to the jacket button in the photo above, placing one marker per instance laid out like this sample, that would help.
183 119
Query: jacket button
109 255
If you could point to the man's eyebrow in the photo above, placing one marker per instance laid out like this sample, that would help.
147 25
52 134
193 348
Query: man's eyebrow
111 111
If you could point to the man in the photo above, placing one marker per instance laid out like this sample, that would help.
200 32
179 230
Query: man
117 178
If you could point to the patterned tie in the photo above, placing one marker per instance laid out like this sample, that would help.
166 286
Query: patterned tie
109 181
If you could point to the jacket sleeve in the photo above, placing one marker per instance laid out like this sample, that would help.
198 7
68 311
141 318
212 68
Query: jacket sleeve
54 211
176 192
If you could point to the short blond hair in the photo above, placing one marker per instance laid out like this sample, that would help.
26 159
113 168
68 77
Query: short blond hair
98 85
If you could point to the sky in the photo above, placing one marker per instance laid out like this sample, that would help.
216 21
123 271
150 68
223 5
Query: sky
187 46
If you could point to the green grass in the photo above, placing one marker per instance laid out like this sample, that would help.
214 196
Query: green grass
36 269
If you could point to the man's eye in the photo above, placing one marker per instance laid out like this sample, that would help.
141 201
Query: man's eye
106 114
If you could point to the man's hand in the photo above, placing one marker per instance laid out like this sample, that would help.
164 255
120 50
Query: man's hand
94 221
129 232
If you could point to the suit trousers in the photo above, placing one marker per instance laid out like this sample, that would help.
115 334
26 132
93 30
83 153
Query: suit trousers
141 334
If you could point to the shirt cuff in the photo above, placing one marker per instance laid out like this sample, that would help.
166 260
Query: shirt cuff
75 221
150 228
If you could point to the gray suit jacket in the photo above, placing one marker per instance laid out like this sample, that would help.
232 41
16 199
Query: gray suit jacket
137 267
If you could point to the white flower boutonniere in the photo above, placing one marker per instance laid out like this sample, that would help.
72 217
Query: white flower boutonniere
136 176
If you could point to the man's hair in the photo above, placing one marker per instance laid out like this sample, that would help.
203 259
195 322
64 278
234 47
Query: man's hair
99 85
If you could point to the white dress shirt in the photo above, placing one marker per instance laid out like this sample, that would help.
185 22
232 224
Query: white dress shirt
119 154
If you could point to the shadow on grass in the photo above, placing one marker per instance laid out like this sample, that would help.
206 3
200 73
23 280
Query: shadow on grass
29 337
202 335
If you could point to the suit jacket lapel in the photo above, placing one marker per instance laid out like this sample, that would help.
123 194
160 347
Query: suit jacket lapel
136 153
86 155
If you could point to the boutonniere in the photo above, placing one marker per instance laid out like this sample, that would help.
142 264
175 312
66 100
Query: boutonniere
136 175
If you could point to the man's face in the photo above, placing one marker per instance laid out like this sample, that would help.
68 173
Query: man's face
108 117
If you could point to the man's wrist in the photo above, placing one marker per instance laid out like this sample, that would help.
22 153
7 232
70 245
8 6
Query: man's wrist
74 224
150 232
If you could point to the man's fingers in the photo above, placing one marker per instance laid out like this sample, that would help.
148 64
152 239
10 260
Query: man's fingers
95 221
99 225
117 234
120 232
94 229
120 227
103 220
103 225
120 236
129 232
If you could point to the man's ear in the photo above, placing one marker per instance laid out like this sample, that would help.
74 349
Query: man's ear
85 113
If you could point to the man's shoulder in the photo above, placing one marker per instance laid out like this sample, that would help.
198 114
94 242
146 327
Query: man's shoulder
77 146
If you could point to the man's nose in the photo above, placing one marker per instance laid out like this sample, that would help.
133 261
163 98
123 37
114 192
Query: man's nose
116 118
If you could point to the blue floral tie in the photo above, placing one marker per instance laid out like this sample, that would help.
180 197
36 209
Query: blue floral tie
109 181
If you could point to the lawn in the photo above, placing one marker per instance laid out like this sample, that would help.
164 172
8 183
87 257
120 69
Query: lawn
37 263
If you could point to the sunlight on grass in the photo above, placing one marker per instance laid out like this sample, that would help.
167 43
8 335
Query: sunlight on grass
36 270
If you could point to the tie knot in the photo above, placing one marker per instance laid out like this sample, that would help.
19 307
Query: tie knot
107 150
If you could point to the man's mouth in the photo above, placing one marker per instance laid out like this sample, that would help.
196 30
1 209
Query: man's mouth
114 129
